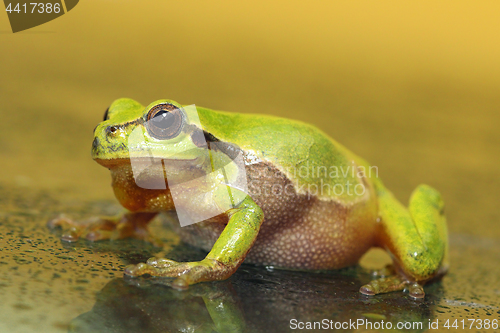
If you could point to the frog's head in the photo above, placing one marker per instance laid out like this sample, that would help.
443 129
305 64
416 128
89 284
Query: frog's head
162 130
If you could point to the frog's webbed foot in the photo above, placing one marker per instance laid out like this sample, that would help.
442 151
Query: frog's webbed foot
186 273
222 261
392 283
98 228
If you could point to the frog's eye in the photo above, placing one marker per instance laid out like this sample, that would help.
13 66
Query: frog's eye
165 121
106 115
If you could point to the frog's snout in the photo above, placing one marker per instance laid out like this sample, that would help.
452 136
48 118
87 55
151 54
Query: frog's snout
96 146
95 143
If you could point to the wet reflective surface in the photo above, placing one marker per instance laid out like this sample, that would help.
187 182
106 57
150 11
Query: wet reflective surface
412 90
79 287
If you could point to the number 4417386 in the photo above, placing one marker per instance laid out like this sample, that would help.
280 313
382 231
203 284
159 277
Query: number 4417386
35 8
472 324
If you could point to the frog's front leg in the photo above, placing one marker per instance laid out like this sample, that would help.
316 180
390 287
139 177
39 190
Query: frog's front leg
130 224
226 255
416 237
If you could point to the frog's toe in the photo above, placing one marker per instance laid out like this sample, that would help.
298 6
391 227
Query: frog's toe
160 262
368 290
158 267
60 221
72 230
137 270
72 235
416 290
186 273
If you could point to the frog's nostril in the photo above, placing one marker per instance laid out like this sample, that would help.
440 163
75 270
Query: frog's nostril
95 143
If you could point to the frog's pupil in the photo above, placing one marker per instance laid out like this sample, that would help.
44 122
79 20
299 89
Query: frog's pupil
163 119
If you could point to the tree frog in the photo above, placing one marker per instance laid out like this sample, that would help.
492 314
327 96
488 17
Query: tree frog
309 203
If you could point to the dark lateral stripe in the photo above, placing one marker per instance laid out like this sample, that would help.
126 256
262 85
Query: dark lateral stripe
230 149
210 137
138 121
213 143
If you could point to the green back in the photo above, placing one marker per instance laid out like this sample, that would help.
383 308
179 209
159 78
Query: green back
309 158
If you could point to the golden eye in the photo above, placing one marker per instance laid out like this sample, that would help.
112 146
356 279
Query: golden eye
165 121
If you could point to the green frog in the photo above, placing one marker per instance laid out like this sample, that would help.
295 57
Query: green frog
261 189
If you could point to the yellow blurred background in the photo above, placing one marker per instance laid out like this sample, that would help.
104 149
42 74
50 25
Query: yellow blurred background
413 87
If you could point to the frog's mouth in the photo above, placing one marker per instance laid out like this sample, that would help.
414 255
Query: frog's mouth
142 162
113 163
120 156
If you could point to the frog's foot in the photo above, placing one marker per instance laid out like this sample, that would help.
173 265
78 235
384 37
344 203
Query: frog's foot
99 228
186 273
392 283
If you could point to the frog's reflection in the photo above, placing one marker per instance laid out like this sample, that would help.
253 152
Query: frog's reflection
253 300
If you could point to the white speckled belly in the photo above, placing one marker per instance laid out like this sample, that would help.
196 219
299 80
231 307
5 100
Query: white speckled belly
298 231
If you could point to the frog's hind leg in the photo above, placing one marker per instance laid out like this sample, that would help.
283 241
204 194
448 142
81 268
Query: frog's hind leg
98 228
416 237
